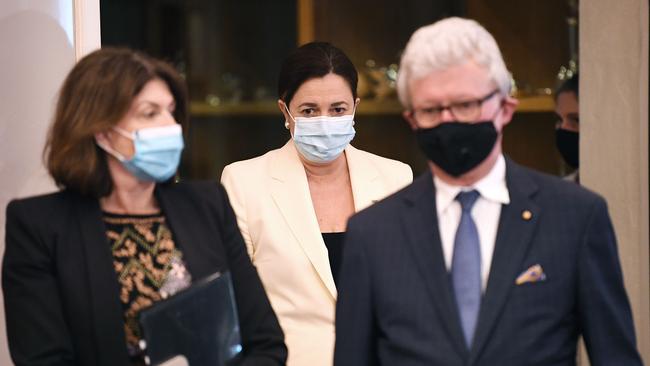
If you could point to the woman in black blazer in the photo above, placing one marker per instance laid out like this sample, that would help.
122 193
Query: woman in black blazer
81 263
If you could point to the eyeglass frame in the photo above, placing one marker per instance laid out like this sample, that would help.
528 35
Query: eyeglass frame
450 107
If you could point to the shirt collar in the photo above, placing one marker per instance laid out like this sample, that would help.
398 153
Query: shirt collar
492 187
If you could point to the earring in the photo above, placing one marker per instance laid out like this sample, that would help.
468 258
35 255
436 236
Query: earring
286 124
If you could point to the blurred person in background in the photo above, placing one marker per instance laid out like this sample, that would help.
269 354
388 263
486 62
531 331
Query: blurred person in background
567 130
120 235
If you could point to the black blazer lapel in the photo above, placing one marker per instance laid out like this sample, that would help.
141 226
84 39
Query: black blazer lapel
193 231
103 287
421 225
514 235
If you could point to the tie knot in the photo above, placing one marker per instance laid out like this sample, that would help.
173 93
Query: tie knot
467 199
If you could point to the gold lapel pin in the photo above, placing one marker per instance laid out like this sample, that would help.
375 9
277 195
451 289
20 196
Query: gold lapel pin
526 215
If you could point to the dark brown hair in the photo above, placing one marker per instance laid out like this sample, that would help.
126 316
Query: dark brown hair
95 96
311 60
569 85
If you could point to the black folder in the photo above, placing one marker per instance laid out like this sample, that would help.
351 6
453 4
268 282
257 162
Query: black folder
199 323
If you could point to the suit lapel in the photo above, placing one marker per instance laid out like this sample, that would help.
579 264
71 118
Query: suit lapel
513 239
103 285
190 231
290 192
366 189
421 223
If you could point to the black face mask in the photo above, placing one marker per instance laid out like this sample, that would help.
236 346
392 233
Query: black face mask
567 144
457 147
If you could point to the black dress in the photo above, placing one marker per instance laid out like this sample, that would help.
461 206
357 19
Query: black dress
334 244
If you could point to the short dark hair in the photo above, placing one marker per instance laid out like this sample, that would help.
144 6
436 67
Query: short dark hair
312 60
569 85
95 96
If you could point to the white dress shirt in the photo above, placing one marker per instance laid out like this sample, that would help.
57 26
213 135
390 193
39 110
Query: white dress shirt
485 212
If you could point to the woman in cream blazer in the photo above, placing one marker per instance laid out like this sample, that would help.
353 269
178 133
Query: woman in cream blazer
279 205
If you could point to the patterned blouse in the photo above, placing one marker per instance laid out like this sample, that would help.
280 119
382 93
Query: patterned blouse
148 264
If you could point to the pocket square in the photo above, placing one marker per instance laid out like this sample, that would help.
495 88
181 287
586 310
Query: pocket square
533 274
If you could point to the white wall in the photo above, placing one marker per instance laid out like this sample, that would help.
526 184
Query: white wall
39 42
614 135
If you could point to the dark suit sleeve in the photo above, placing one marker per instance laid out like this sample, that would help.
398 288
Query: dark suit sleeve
605 315
36 329
263 340
355 329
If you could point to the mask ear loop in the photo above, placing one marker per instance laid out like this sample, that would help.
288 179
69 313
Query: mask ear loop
286 123
116 154
502 102
111 151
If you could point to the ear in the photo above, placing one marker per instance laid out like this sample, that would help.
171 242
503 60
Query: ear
408 116
288 121
283 108
508 109
356 103
102 138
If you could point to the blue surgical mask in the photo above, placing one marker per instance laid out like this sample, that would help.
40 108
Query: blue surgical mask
157 152
322 139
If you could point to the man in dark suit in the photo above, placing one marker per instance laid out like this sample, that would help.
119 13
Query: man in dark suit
480 261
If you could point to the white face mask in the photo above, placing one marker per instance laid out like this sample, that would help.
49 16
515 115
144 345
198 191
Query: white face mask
322 139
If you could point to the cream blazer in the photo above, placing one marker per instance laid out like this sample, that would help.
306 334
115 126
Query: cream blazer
271 199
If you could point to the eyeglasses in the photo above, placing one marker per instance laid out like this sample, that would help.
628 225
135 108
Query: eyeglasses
465 111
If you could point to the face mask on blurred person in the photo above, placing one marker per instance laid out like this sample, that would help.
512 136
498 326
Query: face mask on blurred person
568 145
157 152
457 147
322 139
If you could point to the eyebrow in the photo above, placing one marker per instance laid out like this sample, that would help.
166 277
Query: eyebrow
335 104
569 115
308 105
458 99
154 104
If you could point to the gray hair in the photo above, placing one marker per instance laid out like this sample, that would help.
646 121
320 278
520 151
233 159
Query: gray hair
446 43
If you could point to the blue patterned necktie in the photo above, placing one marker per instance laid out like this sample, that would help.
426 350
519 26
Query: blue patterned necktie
466 267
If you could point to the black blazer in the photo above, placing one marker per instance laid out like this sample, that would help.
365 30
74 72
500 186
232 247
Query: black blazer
61 292
396 304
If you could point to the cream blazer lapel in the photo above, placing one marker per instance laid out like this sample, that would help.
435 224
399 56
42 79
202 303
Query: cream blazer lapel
290 192
367 188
